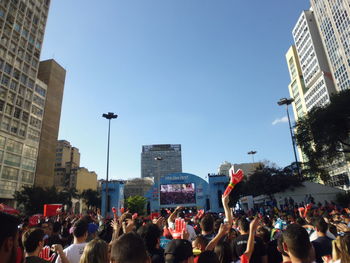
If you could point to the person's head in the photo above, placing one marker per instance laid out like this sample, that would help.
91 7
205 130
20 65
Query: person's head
178 251
56 227
129 248
8 237
200 243
96 251
33 240
208 257
243 225
207 223
264 234
296 242
150 233
47 228
320 225
280 247
80 229
224 252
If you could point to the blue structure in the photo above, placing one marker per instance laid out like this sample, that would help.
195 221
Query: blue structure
194 192
217 186
115 194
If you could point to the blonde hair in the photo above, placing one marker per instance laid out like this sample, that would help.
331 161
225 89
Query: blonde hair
96 251
341 248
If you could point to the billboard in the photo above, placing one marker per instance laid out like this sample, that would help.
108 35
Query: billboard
173 194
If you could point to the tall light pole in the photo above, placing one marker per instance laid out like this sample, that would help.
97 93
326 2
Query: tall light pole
287 102
252 154
109 116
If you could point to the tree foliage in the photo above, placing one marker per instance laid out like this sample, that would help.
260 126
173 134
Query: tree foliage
323 135
91 198
265 180
136 204
32 199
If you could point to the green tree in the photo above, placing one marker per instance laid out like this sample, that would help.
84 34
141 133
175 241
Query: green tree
32 199
91 198
323 135
265 180
136 204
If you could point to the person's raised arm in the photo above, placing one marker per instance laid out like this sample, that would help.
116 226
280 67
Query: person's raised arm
228 213
223 230
250 245
172 217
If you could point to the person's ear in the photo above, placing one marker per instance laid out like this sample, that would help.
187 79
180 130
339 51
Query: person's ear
285 247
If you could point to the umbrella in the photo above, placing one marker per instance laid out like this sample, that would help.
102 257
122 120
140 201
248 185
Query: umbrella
8 209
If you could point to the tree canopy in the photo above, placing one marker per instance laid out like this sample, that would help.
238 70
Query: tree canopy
91 198
33 198
136 204
265 180
323 135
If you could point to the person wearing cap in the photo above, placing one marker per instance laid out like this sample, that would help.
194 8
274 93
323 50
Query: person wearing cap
179 251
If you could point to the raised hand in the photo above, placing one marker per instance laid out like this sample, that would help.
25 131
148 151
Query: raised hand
236 177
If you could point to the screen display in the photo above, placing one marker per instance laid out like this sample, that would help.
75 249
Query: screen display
173 194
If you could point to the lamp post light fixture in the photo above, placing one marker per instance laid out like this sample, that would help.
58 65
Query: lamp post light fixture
287 102
252 154
109 116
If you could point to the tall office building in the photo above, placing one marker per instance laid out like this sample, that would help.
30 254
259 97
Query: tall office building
313 62
22 95
333 20
160 159
53 75
297 86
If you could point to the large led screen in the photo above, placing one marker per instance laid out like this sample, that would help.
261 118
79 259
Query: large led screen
174 194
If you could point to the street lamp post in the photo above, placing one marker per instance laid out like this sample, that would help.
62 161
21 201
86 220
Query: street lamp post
287 102
109 116
252 153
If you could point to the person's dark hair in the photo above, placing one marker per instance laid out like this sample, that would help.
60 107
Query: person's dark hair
297 241
56 227
150 233
201 240
300 221
31 239
207 223
266 220
80 228
243 224
129 248
224 252
217 225
320 224
9 226
208 257
280 246
264 234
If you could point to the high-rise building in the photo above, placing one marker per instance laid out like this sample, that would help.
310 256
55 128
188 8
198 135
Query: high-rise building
160 159
316 73
333 20
22 95
53 75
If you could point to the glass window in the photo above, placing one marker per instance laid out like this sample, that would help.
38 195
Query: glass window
17 113
37 111
5 80
27 177
14 126
2 104
8 109
22 130
5 124
30 152
35 122
3 93
33 135
2 142
13 146
12 159
39 101
28 164
10 173
1 155
40 90
25 116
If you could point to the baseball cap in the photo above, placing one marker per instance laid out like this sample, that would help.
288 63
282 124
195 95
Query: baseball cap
178 250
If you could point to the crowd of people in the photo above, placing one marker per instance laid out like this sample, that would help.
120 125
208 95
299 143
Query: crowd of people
314 233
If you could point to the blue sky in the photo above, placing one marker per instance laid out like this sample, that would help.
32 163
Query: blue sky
201 73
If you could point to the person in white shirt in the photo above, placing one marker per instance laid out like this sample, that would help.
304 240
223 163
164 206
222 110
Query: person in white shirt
74 251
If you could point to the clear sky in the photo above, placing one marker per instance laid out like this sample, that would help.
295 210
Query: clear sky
205 74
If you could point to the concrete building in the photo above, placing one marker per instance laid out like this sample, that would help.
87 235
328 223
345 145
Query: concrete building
333 20
68 173
160 159
297 86
313 62
137 186
53 75
22 95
